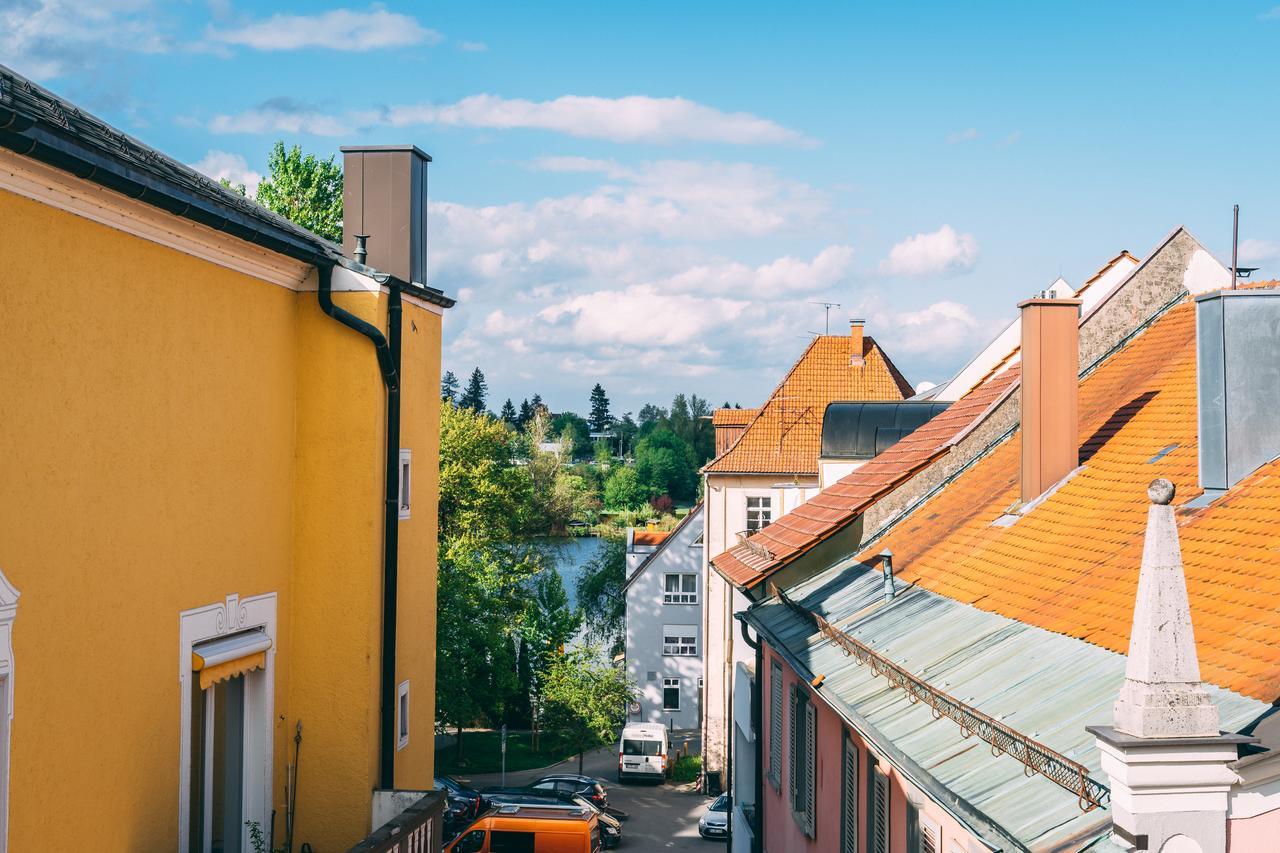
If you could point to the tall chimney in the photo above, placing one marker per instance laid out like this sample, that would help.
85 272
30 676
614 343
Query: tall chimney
1050 376
384 197
855 342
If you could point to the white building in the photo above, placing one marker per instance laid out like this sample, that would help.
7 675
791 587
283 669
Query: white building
664 593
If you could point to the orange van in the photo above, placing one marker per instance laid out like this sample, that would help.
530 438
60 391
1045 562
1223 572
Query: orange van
513 828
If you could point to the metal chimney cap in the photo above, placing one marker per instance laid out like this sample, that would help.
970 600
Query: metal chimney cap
355 149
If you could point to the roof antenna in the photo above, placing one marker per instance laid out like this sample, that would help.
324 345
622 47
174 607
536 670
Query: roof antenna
828 306
1235 241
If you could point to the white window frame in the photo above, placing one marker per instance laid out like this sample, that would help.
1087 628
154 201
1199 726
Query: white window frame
8 613
764 511
667 684
402 715
686 637
405 481
680 596
207 623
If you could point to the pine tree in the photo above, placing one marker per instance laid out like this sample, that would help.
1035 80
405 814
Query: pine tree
537 404
526 414
600 419
474 397
508 412
449 387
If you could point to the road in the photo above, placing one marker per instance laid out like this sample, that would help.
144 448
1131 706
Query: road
663 817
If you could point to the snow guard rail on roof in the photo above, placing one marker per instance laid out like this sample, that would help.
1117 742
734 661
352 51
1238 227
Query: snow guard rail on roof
1035 756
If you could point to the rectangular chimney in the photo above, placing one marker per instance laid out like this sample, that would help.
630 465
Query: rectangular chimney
1050 379
384 196
855 342
1238 383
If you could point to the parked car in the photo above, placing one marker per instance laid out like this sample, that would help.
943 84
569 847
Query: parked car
518 828
572 783
610 827
714 822
642 752
458 791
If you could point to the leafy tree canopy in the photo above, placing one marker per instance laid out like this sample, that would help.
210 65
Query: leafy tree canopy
304 189
586 698
477 390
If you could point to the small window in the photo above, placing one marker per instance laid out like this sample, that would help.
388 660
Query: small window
671 694
501 841
699 683
759 513
680 588
406 467
402 707
680 640
924 835
652 675
804 765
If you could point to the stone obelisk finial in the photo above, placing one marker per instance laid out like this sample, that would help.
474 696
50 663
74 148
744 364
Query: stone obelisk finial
1162 696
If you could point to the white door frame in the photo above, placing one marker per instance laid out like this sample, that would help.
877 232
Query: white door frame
207 623
8 612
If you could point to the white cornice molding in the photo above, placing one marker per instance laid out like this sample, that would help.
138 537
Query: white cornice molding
47 185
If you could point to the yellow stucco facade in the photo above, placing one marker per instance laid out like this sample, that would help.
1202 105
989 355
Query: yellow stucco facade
174 432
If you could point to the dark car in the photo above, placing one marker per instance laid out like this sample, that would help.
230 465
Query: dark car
458 792
571 783
610 827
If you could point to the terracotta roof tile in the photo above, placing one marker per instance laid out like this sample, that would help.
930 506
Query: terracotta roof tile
1071 564
785 434
830 510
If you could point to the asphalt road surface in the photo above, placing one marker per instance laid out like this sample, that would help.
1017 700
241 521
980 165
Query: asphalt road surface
663 817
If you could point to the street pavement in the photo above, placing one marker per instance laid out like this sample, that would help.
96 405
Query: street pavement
662 817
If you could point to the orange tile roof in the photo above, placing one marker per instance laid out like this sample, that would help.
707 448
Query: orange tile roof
732 417
785 435
650 537
1071 564
830 510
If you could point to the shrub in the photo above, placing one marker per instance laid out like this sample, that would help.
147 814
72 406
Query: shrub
687 769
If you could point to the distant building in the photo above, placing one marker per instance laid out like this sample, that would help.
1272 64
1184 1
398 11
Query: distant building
664 623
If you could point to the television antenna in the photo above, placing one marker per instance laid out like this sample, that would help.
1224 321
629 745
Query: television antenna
827 306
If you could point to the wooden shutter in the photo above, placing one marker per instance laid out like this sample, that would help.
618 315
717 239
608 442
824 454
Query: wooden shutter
880 814
913 828
930 836
775 726
849 798
810 766
793 748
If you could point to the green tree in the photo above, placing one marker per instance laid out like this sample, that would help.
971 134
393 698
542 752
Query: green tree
508 414
449 387
599 419
625 429
665 465
623 489
585 698
600 595
477 390
576 429
525 415
304 189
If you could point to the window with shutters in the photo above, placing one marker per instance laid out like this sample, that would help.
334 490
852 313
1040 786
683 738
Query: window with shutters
849 797
877 810
775 725
804 763
923 834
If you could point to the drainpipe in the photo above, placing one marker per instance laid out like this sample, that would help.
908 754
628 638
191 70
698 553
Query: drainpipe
757 711
387 349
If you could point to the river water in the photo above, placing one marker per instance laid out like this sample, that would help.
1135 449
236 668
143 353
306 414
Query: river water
572 553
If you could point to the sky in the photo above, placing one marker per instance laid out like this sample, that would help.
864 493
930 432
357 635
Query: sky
653 196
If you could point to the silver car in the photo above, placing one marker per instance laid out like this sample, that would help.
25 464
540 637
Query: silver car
714 822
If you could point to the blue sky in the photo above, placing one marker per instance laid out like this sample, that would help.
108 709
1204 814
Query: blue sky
650 195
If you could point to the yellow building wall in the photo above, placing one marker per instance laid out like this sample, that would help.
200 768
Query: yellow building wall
175 432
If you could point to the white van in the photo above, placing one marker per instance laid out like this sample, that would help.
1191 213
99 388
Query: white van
643 751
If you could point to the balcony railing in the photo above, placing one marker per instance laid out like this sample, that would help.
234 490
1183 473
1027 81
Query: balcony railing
418 829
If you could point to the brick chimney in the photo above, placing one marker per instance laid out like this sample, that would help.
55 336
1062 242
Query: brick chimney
1050 379
384 196
855 342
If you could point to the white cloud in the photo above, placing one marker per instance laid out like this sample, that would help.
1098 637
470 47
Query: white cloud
1271 14
473 46
634 118
280 115
1012 139
45 39
941 252
221 165
967 135
338 29
1256 251
944 326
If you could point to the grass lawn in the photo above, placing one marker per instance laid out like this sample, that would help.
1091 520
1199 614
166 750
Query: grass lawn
482 753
